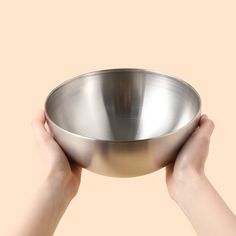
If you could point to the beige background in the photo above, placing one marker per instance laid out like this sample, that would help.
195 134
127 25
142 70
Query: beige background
44 43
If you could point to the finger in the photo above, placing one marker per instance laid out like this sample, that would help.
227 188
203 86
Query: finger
206 127
203 118
201 135
48 129
38 125
195 150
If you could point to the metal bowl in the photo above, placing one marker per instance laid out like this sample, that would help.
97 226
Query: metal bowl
122 122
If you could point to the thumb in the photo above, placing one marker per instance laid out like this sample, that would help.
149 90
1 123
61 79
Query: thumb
195 150
38 125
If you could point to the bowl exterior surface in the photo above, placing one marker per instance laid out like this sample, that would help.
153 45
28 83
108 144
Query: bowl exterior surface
122 159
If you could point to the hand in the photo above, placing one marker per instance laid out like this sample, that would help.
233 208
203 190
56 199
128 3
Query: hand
190 161
57 169
59 185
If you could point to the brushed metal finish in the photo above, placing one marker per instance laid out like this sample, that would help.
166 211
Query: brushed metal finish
122 122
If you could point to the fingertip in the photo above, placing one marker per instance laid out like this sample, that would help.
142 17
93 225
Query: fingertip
38 118
203 118
38 125
211 123
206 128
40 115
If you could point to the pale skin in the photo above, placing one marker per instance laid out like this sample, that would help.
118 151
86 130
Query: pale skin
186 181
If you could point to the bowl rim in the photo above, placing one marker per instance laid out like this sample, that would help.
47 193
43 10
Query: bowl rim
196 116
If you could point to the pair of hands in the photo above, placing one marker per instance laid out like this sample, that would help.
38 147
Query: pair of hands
185 178
189 163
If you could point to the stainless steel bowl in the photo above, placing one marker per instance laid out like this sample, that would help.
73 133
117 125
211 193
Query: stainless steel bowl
122 122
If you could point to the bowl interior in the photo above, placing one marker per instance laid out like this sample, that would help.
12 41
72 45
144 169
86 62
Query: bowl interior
122 105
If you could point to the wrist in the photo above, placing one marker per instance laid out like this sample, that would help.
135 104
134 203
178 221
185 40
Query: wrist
186 184
46 207
57 190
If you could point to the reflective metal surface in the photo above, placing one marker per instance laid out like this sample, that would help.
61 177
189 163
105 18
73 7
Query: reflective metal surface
122 122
